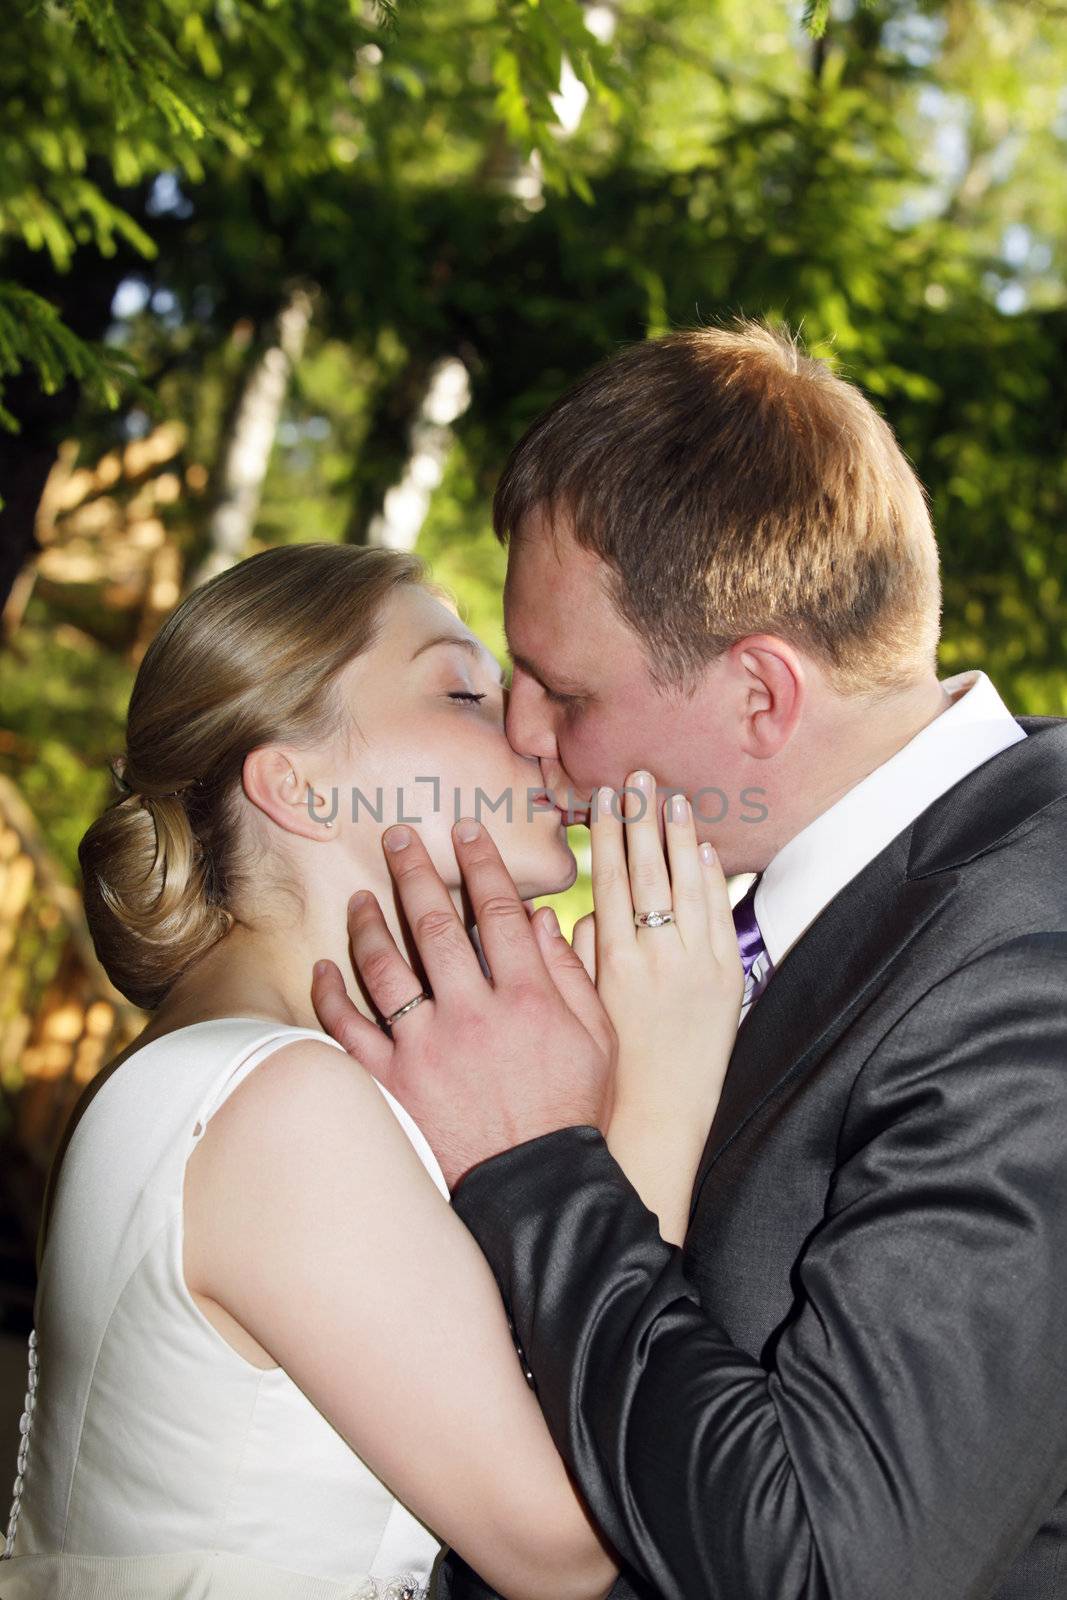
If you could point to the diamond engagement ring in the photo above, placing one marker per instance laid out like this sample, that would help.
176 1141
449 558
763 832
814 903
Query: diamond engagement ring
403 1011
652 919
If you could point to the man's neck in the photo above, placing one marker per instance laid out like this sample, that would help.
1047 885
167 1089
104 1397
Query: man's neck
851 741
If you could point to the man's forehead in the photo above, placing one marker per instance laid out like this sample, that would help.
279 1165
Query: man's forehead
558 613
545 590
544 558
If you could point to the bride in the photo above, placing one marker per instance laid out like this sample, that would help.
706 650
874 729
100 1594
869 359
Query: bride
269 1361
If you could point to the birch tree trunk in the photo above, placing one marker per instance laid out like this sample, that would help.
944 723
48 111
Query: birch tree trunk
448 393
251 439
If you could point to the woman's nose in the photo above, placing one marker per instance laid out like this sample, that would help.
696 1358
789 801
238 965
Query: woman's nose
528 720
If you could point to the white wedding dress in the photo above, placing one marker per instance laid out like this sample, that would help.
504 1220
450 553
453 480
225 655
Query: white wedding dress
156 1463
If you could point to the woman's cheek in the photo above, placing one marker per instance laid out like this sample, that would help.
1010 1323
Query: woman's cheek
437 837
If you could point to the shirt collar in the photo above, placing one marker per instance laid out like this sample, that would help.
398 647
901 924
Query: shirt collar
818 862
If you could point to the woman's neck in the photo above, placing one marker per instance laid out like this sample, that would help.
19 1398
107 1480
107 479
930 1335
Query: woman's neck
263 967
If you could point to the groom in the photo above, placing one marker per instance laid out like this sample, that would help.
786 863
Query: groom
851 1383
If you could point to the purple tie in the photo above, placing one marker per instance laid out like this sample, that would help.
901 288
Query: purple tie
750 942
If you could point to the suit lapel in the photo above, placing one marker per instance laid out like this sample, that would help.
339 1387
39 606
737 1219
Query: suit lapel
827 976
821 985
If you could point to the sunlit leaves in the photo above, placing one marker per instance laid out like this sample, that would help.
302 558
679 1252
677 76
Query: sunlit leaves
31 331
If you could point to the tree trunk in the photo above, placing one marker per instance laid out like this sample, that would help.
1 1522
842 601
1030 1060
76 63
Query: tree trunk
446 397
84 297
247 450
447 394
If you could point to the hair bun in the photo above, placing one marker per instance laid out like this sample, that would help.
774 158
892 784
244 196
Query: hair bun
145 886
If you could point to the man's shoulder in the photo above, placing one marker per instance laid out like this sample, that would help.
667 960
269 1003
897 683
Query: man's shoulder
1007 818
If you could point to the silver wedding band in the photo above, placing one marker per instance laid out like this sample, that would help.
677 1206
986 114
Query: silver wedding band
652 919
403 1011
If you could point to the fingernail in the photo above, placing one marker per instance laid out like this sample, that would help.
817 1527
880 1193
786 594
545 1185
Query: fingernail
679 808
467 830
320 968
707 854
360 898
642 781
552 924
397 838
605 799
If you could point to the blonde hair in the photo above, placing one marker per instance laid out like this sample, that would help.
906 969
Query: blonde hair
247 660
735 485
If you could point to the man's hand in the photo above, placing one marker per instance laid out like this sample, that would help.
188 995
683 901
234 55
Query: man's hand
486 1063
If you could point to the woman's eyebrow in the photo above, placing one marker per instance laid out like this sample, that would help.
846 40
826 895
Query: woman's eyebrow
464 641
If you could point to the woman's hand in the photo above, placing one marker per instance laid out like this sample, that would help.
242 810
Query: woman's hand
673 992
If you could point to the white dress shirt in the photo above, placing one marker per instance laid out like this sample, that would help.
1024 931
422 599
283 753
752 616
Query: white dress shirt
806 874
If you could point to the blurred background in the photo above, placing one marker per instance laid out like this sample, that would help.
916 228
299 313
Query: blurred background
280 270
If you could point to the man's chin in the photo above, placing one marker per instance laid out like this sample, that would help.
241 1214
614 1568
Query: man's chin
552 880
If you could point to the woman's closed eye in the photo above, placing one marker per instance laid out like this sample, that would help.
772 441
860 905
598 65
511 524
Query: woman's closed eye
466 696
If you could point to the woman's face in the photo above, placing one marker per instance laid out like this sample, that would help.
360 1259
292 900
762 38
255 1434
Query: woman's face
427 746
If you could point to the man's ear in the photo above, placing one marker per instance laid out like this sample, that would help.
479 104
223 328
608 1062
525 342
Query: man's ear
275 781
772 689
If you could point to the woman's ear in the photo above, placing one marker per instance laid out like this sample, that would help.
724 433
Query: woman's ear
772 691
276 784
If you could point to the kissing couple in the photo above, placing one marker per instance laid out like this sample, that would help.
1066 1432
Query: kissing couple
710 1255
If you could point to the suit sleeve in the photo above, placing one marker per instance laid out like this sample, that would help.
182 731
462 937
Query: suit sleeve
457 1581
909 1435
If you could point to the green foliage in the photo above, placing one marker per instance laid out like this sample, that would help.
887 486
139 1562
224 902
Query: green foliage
100 100
64 717
540 35
32 331
891 177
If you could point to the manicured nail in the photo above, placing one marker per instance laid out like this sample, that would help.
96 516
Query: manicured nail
397 838
605 799
642 781
468 830
707 854
679 808
551 922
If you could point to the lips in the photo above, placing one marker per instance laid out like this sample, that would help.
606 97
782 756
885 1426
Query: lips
566 801
574 810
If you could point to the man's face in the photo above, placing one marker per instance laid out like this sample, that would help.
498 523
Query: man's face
581 698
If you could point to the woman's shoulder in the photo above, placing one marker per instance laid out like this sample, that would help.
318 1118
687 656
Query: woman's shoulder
306 1144
301 1090
152 1100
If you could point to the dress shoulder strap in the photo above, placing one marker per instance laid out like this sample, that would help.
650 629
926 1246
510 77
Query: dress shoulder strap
254 1051
417 1138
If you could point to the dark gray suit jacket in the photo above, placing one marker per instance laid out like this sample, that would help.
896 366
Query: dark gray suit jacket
852 1384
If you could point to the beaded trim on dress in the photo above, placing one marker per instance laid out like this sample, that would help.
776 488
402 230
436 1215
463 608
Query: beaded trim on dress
24 1448
407 1587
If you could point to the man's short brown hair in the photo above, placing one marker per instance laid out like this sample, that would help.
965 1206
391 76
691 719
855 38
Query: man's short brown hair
734 485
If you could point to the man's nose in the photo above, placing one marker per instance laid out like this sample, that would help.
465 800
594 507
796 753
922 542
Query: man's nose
528 722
